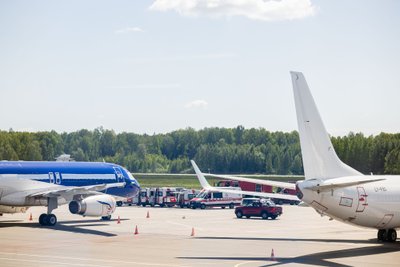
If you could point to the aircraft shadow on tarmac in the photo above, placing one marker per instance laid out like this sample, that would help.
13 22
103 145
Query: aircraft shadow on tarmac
368 241
64 226
317 259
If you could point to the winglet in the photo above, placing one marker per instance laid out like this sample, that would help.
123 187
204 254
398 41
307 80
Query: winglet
200 176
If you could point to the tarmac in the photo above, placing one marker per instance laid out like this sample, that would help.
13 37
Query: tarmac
300 237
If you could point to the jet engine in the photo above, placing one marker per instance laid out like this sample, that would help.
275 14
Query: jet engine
99 205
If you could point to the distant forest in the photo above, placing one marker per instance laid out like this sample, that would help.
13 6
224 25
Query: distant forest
219 150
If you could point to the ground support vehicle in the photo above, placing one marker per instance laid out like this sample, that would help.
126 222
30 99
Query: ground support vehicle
161 196
184 197
166 196
145 196
263 208
216 199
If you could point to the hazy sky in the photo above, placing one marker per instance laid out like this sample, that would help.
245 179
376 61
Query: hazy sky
157 66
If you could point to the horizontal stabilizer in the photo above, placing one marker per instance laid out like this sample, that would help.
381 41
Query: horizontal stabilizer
342 182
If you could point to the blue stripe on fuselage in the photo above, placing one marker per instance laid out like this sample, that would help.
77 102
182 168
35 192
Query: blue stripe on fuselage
73 174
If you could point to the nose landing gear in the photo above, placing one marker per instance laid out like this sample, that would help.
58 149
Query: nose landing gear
387 235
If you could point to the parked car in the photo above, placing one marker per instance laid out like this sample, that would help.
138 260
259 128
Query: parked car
253 207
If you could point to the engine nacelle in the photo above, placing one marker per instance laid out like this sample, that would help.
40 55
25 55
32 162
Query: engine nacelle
96 206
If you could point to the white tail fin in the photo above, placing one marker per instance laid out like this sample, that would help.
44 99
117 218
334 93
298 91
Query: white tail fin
319 157
200 176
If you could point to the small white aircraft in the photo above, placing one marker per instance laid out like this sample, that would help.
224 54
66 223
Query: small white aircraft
331 187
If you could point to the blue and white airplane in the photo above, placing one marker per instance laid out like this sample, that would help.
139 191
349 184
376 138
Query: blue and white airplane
90 188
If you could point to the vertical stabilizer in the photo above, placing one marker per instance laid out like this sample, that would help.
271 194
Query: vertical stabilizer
200 176
319 157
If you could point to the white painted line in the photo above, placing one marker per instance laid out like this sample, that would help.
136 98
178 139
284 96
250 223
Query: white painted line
86 259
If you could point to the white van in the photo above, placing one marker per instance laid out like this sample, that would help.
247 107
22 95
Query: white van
216 199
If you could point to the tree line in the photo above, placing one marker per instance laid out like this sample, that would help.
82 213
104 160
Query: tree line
219 150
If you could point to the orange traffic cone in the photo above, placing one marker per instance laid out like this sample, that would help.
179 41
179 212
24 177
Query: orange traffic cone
192 234
30 217
148 214
136 231
119 220
273 255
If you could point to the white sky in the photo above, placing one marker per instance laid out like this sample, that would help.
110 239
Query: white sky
157 66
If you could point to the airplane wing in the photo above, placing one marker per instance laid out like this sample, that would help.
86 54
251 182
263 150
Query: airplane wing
256 181
75 190
256 194
208 187
330 184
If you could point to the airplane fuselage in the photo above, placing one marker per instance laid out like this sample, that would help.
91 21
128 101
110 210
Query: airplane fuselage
373 205
20 178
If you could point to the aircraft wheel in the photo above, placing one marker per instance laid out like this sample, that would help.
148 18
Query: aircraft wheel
51 219
382 235
42 219
391 235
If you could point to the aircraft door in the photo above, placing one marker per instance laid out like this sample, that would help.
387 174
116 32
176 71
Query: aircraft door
362 199
118 174
51 178
58 177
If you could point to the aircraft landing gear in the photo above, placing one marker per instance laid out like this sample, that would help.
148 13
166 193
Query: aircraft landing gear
47 219
387 235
